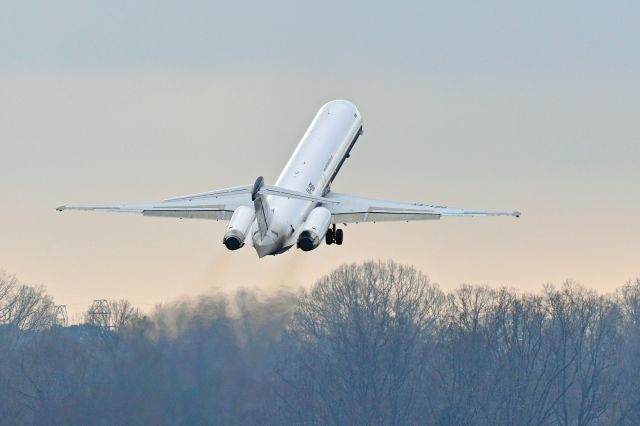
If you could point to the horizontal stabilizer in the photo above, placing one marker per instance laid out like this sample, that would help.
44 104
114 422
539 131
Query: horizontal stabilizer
288 193
236 190
264 190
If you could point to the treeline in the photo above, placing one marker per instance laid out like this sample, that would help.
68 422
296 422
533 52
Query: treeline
368 344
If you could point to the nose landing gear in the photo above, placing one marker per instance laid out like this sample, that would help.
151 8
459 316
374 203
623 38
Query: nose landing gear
334 235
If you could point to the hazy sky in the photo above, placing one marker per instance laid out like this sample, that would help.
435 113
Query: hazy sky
531 106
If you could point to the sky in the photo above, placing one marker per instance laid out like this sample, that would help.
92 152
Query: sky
529 106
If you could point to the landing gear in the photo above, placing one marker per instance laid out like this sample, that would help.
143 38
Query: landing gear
334 236
339 237
329 236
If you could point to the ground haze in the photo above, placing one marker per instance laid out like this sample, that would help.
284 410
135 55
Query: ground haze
372 343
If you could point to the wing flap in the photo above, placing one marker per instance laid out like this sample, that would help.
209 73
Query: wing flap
191 214
381 216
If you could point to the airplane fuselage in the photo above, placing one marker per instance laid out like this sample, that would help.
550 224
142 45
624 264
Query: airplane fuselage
314 164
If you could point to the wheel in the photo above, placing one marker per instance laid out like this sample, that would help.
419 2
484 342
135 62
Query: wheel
329 237
339 236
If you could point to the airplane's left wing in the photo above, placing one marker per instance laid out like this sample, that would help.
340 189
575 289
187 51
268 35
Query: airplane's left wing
214 205
213 209
354 209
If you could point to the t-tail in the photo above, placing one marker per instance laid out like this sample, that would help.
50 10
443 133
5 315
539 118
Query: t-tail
264 214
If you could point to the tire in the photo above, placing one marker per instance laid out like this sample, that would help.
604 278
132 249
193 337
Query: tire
329 237
339 237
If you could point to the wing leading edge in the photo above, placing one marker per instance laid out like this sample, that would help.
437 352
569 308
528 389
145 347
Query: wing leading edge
354 209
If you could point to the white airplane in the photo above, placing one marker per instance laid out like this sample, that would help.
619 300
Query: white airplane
300 209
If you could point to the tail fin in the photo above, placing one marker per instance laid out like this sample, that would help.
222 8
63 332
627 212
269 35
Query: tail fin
261 205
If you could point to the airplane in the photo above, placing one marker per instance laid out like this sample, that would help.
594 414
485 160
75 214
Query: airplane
300 209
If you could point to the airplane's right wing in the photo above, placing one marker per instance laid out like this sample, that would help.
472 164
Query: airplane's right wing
355 209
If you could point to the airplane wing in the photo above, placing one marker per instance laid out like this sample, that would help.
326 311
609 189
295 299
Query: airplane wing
214 205
213 209
354 209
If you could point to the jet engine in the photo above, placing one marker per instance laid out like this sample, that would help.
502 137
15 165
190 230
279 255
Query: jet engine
314 229
239 226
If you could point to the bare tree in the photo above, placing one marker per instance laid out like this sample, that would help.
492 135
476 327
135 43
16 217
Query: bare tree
583 338
123 314
24 307
362 334
626 411
375 343
465 356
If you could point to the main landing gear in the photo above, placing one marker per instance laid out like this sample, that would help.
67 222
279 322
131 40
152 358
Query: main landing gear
334 235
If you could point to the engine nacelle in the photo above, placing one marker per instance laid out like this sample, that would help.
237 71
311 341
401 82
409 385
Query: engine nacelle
314 229
239 226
